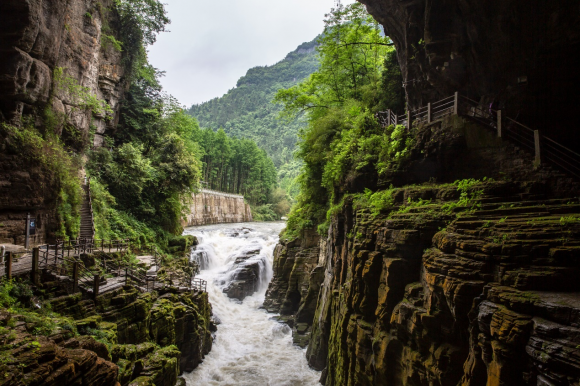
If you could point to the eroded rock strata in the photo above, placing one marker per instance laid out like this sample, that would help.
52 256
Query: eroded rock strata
149 338
39 40
482 291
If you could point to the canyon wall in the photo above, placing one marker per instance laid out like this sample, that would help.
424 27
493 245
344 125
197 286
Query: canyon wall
45 47
521 55
465 286
213 207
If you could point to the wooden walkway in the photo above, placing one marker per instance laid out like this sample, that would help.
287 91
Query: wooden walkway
62 262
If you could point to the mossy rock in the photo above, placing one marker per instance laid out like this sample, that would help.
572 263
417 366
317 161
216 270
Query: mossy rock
132 352
90 322
142 381
182 243
162 366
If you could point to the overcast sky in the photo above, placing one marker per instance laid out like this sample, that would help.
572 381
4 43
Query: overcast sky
213 43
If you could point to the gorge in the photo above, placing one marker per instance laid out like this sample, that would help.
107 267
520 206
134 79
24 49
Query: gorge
425 162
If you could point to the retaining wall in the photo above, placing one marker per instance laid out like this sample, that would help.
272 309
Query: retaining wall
213 207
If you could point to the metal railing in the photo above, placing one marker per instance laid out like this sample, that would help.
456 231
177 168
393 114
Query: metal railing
78 276
91 205
199 285
90 245
544 149
218 193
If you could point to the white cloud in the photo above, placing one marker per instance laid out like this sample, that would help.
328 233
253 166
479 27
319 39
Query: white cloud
213 43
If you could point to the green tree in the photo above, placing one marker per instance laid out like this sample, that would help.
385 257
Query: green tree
343 141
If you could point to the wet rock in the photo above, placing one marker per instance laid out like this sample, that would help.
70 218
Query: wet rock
246 274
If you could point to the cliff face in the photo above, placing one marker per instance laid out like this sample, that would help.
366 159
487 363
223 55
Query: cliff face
38 38
211 207
466 286
126 337
522 55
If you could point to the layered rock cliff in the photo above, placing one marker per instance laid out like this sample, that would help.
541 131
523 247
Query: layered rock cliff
471 283
54 53
124 337
521 55
212 207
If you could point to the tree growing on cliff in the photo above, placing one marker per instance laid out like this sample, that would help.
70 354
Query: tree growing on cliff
343 140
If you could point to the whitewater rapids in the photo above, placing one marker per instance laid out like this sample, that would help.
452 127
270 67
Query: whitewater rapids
250 348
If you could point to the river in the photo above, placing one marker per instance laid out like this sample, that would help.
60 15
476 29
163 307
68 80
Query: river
250 348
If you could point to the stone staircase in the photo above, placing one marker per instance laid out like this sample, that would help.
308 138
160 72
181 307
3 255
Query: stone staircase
87 230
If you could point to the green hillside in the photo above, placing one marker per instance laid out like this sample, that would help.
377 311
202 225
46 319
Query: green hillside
246 111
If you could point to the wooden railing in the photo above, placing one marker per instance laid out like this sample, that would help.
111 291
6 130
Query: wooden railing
544 149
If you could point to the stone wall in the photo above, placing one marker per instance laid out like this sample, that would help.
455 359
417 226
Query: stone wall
212 207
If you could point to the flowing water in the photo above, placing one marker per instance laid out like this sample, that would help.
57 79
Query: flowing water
250 348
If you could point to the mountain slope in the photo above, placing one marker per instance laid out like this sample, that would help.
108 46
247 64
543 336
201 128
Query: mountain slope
246 111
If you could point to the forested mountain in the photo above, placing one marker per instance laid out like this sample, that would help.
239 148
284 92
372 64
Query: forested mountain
246 111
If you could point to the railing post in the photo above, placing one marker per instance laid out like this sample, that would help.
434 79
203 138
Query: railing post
34 271
388 117
9 266
429 112
538 159
75 277
409 120
456 103
498 123
96 283
56 253
27 240
396 119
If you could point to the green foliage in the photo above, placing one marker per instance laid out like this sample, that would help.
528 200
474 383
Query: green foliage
412 205
141 21
469 195
264 213
111 41
343 140
569 220
247 112
16 296
377 202
59 167
79 95
154 166
111 223
237 166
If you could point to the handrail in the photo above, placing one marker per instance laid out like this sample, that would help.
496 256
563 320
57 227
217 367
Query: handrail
543 147
91 205
218 193
52 259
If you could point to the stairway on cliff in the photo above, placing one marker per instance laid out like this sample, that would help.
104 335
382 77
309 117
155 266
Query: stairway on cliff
87 228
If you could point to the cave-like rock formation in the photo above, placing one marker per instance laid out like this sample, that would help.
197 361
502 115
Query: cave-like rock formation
522 55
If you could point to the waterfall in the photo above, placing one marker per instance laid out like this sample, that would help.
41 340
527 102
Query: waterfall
250 347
